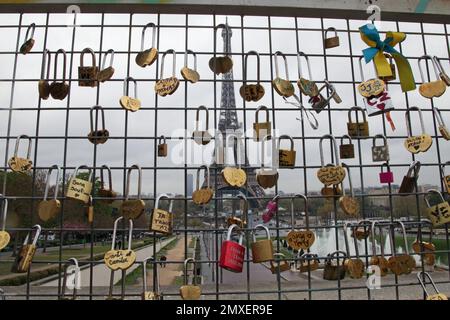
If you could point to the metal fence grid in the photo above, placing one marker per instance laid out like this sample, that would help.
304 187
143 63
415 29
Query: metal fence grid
15 83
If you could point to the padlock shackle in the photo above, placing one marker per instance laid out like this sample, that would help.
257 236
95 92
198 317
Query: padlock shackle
46 62
243 199
431 191
188 51
405 239
414 168
126 84
102 180
236 149
207 176
277 70
55 70
260 227
423 223
334 147
439 119
151 24
31 28
144 275
347 246
408 120
258 64
443 168
162 139
330 29
111 59
197 117
356 109
36 235
439 66
230 232
266 138
70 262
91 52
352 192
130 233
127 189
433 62
336 255
4 210
174 62
266 110
421 277
186 271
361 71
226 29
102 112
16 148
346 136
285 136
305 203
75 173
379 136
164 196
299 64
373 238
47 183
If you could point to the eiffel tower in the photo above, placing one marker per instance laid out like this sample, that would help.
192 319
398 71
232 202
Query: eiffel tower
229 124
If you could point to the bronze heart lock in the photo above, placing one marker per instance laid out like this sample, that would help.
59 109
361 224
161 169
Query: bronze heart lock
97 136
420 143
189 74
431 89
167 86
307 87
147 57
29 41
106 73
133 208
203 195
59 89
252 92
19 164
132 104
222 64
332 174
300 239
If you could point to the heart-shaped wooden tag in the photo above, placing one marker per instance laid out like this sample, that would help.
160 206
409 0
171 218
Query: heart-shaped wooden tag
252 92
48 209
220 65
283 87
132 209
349 205
130 104
371 88
190 75
167 86
119 259
4 239
300 239
433 89
307 87
147 57
331 175
190 292
18 164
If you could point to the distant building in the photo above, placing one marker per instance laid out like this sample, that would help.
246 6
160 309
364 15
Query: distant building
189 184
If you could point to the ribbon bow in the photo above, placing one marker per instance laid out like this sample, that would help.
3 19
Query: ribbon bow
369 34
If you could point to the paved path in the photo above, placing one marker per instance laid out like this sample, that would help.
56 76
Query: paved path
101 273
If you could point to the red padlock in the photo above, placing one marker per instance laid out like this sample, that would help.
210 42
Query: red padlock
386 177
232 253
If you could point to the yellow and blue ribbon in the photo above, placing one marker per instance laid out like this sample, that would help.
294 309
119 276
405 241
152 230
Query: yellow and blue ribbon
369 34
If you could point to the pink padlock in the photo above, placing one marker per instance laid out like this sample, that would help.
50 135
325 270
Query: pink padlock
386 177
271 209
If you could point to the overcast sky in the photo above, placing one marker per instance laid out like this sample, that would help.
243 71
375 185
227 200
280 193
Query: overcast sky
172 122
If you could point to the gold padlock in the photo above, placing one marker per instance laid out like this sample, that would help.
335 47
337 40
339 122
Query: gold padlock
420 143
403 263
59 89
353 265
120 259
162 220
425 248
146 57
252 92
190 291
266 177
4 235
431 89
19 164
72 262
349 204
279 264
106 73
308 262
201 137
446 178
331 42
26 253
87 76
162 147
29 41
283 87
235 176
286 158
222 64
97 136
439 213
300 239
127 102
357 129
80 188
156 293
437 295
202 196
262 250
133 208
48 209
330 174
370 88
262 130
307 87
441 124
241 221
167 86
187 73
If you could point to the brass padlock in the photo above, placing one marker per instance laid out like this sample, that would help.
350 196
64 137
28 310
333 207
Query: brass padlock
96 135
378 260
222 64
262 130
420 143
234 177
357 129
133 208
446 178
161 220
201 137
330 174
26 253
108 194
331 42
19 164
393 75
439 213
80 188
262 250
146 57
266 177
362 230
409 181
59 89
404 263
190 291
202 196
279 264
162 147
189 74
48 209
308 262
441 125
286 158
120 259
4 235
75 271
43 84
106 73
437 295
300 239
241 221
252 92
442 74
347 151
335 271
380 153
167 86
127 102
283 87
349 204
156 293
431 89
354 266
425 248
87 75
307 87
29 41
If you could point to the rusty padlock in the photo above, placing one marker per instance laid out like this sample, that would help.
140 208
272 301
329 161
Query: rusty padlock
87 75
357 129
26 253
347 150
331 42
261 130
162 147
409 181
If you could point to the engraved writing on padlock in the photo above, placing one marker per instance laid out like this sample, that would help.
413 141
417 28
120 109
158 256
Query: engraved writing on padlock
167 86
380 153
87 75
439 213
307 87
232 253
300 239
80 189
162 220
332 174
127 102
331 42
252 92
420 143
357 129
20 164
446 177
121 259
347 150
262 250
286 158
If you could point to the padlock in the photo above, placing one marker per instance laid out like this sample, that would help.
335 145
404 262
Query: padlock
416 144
133 208
286 157
252 92
437 295
156 293
232 253
80 188
120 259
425 248
319 102
106 73
190 291
307 87
87 75
347 151
266 177
330 174
349 204
167 86
241 221
404 263
431 89
335 271
26 253
357 129
97 136
386 177
439 213
262 250
108 194
331 42
353 265
372 87
4 235
409 181
59 89
442 127
442 74
234 177
29 41
161 220
279 264
378 260
19 164
300 239
446 178
380 153
222 64
201 137
308 262
393 75
202 196
72 262
127 102
361 230
43 84
271 209
187 73
146 57
162 147
262 130
48 209
282 86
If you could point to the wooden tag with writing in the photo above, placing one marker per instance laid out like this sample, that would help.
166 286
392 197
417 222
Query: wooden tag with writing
4 239
167 86
119 259
331 175
300 239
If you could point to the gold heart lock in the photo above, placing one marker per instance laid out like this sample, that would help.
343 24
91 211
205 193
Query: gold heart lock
331 175
220 65
4 239
18 164
147 57
48 209
167 86
283 87
190 75
190 292
355 268
417 144
130 104
301 239
433 89
119 259
252 92
307 87
349 205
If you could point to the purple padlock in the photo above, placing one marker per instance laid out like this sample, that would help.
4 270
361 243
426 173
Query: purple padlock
386 177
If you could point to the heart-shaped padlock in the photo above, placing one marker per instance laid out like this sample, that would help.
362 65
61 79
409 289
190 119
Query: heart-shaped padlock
120 259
